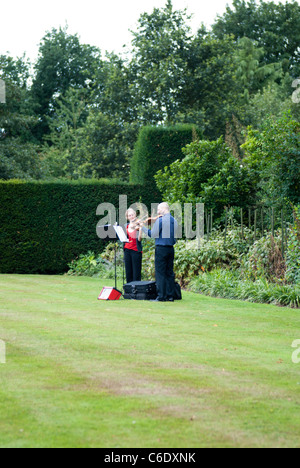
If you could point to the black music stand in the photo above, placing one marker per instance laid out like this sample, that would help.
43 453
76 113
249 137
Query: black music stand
109 293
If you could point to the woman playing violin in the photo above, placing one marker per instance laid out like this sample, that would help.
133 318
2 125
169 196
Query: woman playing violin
133 249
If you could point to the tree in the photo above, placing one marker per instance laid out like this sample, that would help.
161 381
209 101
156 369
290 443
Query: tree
105 146
62 152
115 90
63 62
180 78
211 89
160 53
19 156
183 180
233 185
116 107
273 153
251 73
209 174
276 28
16 114
270 103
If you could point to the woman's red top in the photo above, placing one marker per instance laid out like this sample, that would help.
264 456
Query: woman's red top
132 244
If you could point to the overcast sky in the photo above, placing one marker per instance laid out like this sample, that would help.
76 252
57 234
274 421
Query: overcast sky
103 23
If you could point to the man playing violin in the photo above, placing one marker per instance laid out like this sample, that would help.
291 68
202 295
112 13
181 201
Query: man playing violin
164 232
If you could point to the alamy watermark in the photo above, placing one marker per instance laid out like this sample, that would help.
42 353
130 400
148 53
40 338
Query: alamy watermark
184 216
296 93
2 352
296 353
2 92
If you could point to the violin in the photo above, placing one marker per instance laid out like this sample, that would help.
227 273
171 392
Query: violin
138 223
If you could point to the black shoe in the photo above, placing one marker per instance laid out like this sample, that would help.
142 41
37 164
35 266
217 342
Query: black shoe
170 299
158 299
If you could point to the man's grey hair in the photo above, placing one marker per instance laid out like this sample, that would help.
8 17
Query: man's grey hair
164 208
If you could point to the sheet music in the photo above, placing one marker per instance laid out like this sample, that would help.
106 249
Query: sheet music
105 293
121 234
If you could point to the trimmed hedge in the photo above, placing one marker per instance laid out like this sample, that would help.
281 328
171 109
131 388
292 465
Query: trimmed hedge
158 147
45 225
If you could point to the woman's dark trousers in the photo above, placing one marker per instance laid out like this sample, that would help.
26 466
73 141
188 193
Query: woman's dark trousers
133 265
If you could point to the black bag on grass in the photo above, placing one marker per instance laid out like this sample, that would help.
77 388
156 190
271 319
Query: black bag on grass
140 290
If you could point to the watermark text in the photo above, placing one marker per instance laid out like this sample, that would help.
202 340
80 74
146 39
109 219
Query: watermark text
296 93
2 352
189 218
296 353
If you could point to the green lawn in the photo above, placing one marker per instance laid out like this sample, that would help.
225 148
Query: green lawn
201 372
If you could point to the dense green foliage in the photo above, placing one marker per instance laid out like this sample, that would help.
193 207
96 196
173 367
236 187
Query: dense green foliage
43 226
158 147
63 64
209 174
273 153
79 112
227 284
18 149
183 179
276 28
268 174
252 259
293 251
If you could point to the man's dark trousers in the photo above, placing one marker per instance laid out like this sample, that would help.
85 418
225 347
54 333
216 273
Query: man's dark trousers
164 272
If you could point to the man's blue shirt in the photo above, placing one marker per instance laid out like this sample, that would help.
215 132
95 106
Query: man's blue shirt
164 230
